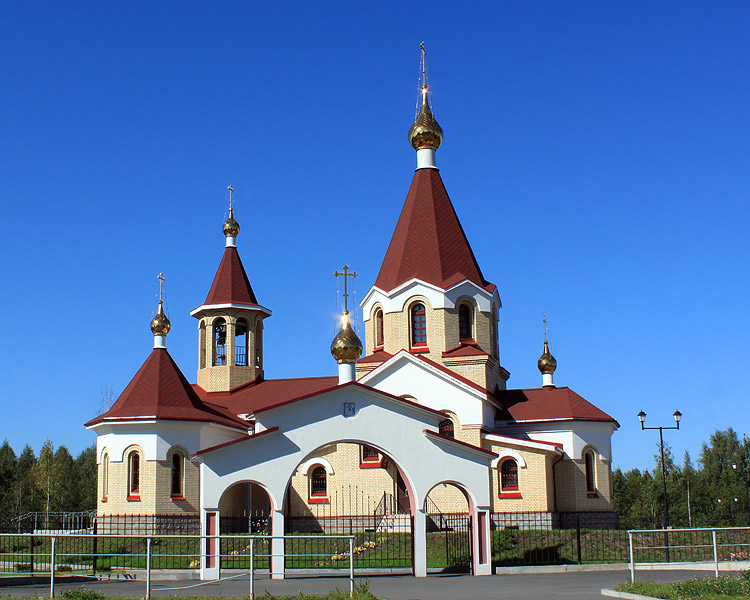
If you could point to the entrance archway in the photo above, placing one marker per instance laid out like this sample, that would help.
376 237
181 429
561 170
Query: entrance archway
449 529
350 488
244 510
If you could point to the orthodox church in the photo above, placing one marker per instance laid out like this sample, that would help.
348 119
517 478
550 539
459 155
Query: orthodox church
418 425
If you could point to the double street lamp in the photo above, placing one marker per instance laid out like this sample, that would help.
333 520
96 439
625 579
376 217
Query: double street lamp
665 516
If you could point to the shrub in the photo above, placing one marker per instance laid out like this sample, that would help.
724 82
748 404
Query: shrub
82 594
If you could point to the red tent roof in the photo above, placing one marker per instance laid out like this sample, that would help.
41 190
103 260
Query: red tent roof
231 285
429 243
159 390
542 404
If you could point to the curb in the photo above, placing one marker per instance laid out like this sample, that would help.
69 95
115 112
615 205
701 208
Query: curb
626 595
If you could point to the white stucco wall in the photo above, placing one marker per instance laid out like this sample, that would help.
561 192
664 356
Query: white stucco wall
573 435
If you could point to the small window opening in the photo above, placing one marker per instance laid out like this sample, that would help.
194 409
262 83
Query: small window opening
240 343
318 484
220 342
379 339
509 476
418 325
465 324
177 470
446 428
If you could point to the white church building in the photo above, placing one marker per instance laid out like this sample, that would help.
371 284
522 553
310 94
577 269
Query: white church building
418 424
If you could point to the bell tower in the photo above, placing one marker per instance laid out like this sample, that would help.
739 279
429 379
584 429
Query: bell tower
230 322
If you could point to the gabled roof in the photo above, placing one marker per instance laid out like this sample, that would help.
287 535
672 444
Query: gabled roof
464 349
547 404
159 390
378 356
231 285
429 243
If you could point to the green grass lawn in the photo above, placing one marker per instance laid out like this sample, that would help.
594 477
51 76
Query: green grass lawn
721 588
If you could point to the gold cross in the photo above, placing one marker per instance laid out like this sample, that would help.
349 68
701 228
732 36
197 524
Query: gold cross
161 279
231 190
544 320
424 70
345 274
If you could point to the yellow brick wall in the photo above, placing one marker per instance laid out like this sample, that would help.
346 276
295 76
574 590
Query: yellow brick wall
571 486
154 488
533 482
351 489
446 498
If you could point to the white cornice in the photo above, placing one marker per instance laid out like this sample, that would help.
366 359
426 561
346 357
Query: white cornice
511 441
197 312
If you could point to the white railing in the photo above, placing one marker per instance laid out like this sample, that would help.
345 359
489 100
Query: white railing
52 565
699 542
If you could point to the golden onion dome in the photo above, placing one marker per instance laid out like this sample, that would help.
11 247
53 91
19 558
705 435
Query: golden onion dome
425 132
346 347
546 363
231 227
160 324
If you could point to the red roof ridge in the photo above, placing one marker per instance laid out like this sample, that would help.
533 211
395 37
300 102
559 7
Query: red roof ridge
428 242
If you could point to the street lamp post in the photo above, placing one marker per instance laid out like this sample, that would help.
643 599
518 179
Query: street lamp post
665 516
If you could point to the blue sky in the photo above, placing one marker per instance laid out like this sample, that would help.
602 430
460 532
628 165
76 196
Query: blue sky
596 153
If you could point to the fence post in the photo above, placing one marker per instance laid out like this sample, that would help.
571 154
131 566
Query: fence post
351 567
578 536
148 568
31 555
716 553
95 546
52 568
632 562
252 568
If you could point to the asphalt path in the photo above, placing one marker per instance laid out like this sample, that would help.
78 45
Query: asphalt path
532 586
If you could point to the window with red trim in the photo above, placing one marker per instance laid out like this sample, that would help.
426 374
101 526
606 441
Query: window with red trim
220 342
105 476
446 428
318 483
465 323
509 476
134 474
177 472
369 454
418 325
590 473
379 328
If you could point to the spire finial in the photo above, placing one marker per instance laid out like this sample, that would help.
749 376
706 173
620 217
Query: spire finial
160 324
425 134
546 363
346 347
231 227
345 274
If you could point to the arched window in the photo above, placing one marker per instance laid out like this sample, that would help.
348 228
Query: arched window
509 476
240 343
318 485
259 345
493 334
370 454
379 339
177 473
446 428
134 474
202 350
590 472
105 476
418 325
220 342
465 322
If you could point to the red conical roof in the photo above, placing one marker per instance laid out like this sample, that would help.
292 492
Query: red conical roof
231 285
159 390
429 243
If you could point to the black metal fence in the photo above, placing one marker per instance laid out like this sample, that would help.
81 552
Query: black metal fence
575 538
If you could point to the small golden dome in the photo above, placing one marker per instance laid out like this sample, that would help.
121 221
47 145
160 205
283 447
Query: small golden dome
231 227
425 132
160 325
346 347
546 363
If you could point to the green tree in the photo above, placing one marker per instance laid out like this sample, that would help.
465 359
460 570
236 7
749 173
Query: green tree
85 477
25 495
8 469
63 482
43 474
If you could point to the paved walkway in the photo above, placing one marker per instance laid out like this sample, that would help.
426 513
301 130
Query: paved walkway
532 586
